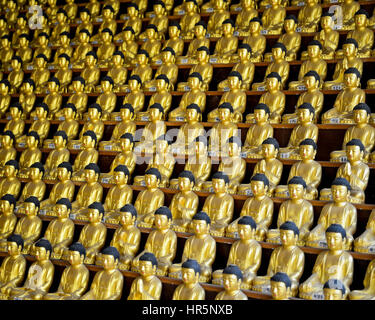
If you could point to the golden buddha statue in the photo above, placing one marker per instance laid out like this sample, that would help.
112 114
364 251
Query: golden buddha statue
52 100
287 258
147 286
94 233
71 9
184 204
245 253
115 4
194 96
29 226
84 47
126 157
106 48
15 77
273 18
188 132
16 124
24 51
222 130
334 263
143 70
13 267
365 242
355 171
291 39
339 211
8 220
42 47
232 164
26 98
200 247
5 96
273 98
346 100
61 25
153 130
127 237
65 49
40 125
259 207
220 205
168 69
309 16
91 72
247 12
135 97
40 74
21 27
133 18
6 51
269 166
36 187
227 45
190 289
258 132
108 21
368 282
69 125
89 192
10 183
362 130
334 289
107 283
39 277
232 282
175 42
64 73
30 155
118 195
7 150
190 17
151 198
162 160
200 40
78 99
236 97
159 19
362 34
215 21
151 44
12 12
64 188
198 162
307 168
278 65
75 278
118 72
350 60
296 209
312 96
51 10
161 242
60 231
4 26
280 286
88 155
306 129
313 63
84 22
128 47
349 8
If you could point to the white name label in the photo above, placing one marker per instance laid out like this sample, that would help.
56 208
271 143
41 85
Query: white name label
334 120
105 180
292 120
181 12
210 10
301 88
145 118
213 60
184 60
180 119
284 155
261 88
118 118
108 147
51 146
76 146
337 87
264 32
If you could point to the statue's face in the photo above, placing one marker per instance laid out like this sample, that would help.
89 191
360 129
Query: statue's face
277 53
296 191
13 248
151 180
5 42
125 114
90 175
219 4
90 60
125 144
354 153
30 208
15 64
68 113
119 177
77 85
245 232
360 116
74 258
260 115
278 290
14 112
193 82
326 22
275 2
192 115
218 185
23 41
84 16
83 37
155 114
42 40
349 49
4 206
128 35
272 83
146 268
10 171
189 6
161 221
161 146
311 82
269 150
200 227
188 275
289 25
224 114
332 294
184 184
41 253
151 33
161 84
339 193
227 29
117 60
106 36
87 141
158 9
34 173
173 32
142 59
133 85
334 240
107 13
350 79
6 140
60 17
52 86
21 22
287 237
307 152
63 174
360 20
230 282
61 210
106 85
200 147
234 82
304 115
40 62
258 188
313 51
94 215
94 113
202 56
126 218
199 31
31 141
233 149
132 12
109 261
62 61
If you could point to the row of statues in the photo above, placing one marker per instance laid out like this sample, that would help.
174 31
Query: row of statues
333 268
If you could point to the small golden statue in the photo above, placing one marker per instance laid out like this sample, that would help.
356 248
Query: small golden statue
334 289
232 280
10 184
365 243
8 219
280 286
